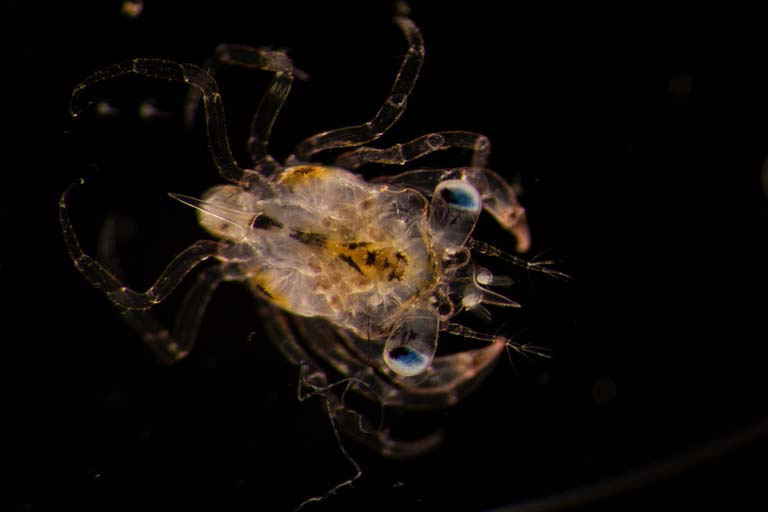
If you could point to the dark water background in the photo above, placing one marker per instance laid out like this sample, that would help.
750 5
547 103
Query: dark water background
639 139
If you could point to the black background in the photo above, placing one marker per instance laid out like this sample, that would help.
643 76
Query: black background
639 138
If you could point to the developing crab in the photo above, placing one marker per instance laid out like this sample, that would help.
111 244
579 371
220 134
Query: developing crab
358 279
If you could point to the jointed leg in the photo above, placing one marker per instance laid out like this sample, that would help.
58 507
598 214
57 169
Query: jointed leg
387 115
400 154
214 110
167 346
325 343
312 381
500 200
271 102
136 306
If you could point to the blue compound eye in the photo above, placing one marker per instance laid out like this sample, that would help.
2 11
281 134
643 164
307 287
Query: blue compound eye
460 195
411 345
453 212
405 361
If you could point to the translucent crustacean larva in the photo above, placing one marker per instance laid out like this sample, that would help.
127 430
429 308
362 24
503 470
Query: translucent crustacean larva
357 279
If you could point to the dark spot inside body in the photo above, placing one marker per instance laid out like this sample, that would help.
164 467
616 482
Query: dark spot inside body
355 245
392 276
399 353
407 336
264 291
370 258
386 263
407 357
349 261
309 238
444 307
448 195
458 198
262 221
401 257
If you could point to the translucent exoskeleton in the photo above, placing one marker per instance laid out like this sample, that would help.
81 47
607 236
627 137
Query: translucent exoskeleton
356 279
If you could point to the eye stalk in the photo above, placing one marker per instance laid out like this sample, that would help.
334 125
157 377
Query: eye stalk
454 210
411 345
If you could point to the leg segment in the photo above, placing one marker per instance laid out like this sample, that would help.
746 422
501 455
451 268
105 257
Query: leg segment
169 347
499 197
400 154
214 109
136 306
317 348
264 59
387 115
284 334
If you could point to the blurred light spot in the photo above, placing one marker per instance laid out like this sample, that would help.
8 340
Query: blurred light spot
103 108
149 111
132 8
544 379
680 85
402 9
604 391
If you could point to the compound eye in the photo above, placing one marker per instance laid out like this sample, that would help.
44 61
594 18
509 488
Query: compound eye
459 195
454 210
411 345
406 361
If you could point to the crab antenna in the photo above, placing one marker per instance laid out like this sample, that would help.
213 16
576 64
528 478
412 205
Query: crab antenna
522 348
537 266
